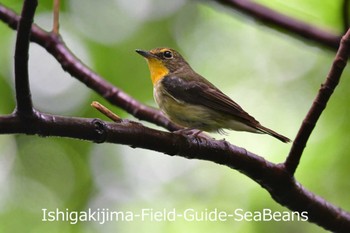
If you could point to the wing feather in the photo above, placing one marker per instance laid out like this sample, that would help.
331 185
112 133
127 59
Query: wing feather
205 94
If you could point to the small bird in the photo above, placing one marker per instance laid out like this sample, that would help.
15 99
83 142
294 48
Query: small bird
191 101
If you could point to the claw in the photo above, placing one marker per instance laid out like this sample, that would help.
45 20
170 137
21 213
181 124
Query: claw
193 133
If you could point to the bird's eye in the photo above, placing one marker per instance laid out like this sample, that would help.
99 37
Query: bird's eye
168 54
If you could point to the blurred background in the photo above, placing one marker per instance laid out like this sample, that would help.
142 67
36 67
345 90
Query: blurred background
271 74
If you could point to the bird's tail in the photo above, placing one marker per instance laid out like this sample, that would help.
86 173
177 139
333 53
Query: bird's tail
273 134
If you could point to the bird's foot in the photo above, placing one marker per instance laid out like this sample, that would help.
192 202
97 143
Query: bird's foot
193 133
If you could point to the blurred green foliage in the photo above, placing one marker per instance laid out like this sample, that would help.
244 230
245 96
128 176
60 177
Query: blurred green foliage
272 75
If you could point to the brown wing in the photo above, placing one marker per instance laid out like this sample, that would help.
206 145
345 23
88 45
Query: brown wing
202 92
206 94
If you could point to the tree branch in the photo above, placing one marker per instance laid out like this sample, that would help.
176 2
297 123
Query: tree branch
23 96
274 178
56 16
105 111
319 104
290 25
56 47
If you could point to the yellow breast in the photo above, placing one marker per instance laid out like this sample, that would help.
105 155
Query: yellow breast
157 69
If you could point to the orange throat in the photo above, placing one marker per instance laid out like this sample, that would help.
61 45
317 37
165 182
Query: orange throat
157 69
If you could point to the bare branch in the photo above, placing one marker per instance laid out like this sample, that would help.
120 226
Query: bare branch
319 104
56 15
290 25
23 96
274 178
105 111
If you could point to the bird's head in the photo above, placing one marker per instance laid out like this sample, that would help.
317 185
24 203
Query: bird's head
162 61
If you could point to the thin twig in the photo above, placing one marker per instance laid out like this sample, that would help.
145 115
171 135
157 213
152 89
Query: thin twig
319 104
105 111
288 24
56 15
23 96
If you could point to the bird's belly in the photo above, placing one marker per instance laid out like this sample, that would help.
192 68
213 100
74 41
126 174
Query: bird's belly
196 116
188 115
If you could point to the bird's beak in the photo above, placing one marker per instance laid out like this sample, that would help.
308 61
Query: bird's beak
145 54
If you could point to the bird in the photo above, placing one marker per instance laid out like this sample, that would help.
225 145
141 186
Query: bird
191 101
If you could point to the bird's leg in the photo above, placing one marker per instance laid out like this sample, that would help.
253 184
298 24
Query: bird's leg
188 132
193 133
